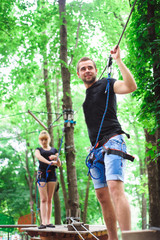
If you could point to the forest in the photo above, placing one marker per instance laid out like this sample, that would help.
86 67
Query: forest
40 44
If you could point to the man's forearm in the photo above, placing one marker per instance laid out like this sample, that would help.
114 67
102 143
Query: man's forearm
126 75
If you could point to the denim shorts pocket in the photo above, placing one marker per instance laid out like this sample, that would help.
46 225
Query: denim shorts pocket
117 143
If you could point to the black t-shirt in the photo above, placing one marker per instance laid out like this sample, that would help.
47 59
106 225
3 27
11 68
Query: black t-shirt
94 107
46 154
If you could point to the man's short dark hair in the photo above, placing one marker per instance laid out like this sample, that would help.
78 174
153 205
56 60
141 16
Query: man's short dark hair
83 59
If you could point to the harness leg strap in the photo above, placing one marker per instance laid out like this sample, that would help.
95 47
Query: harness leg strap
119 153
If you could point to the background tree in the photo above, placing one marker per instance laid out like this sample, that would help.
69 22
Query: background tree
143 39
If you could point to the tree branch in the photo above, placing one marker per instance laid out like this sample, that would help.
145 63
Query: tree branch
77 38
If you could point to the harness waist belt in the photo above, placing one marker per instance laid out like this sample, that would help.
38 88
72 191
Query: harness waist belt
119 153
105 139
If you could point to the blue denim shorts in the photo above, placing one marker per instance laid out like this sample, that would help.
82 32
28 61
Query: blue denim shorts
108 167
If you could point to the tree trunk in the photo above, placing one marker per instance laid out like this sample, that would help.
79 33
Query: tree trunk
142 172
50 129
30 184
144 211
154 200
57 208
153 38
86 200
48 103
59 135
73 202
65 196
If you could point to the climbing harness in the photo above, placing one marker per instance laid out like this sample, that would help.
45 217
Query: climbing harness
75 224
119 153
109 63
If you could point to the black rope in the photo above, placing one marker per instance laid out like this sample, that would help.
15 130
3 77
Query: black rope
126 24
12 115
109 63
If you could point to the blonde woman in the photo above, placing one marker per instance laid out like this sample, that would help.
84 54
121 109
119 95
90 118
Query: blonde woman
46 178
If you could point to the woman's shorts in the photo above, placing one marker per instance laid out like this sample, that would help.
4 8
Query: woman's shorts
42 176
108 167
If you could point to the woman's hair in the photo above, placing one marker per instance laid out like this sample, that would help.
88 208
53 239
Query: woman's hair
44 134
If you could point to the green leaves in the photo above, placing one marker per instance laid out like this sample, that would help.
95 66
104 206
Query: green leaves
6 220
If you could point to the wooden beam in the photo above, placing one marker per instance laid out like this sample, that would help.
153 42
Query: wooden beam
37 120
141 235
18 226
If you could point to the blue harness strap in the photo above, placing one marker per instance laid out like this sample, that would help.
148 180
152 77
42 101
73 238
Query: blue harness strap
91 164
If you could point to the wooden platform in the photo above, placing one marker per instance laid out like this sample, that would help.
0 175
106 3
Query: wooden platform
141 235
18 226
61 232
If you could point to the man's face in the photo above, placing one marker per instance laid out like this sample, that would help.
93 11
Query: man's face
87 72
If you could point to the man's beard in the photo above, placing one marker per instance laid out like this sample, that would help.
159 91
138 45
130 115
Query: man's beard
89 81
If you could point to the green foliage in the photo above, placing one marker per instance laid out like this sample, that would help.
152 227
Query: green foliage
141 58
14 193
6 220
30 36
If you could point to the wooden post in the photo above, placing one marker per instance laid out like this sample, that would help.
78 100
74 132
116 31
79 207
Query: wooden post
37 120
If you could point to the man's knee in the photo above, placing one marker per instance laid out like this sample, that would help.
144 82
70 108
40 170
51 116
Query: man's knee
102 195
116 189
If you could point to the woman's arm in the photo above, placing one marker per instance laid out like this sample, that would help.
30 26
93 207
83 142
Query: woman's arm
40 157
57 161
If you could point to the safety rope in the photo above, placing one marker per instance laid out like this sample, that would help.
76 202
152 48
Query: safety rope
72 224
126 23
109 63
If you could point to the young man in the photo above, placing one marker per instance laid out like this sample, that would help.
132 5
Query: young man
108 173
